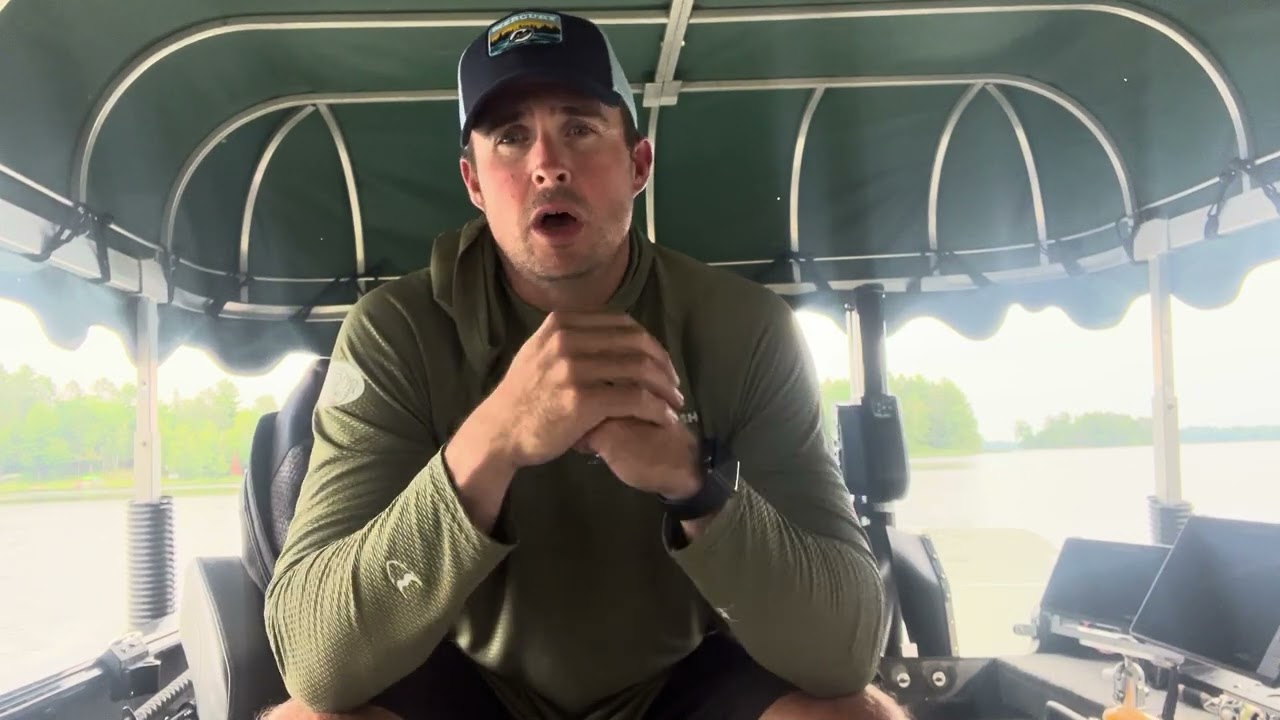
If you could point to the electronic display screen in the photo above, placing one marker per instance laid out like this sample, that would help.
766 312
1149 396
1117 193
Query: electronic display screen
1217 599
1102 582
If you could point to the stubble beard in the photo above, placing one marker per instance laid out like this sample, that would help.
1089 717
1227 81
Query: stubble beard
549 272
597 248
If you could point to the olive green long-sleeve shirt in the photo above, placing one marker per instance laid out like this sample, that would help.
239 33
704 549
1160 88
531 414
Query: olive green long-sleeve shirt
577 603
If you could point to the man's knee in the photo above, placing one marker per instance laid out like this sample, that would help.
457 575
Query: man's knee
871 704
295 710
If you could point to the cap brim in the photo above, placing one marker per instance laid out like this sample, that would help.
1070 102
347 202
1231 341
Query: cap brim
600 92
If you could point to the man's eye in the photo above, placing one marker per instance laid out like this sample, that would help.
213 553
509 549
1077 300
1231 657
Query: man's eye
579 129
510 136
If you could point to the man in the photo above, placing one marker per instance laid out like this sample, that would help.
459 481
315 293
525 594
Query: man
563 472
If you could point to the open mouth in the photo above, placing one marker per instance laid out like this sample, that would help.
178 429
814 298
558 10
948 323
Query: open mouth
556 222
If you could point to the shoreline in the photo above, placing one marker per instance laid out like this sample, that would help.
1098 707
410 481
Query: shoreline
124 491
21 497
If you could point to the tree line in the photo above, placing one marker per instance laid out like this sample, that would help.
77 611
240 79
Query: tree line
937 418
1101 429
50 433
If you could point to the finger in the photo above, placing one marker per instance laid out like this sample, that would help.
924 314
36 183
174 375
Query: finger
602 438
625 370
568 319
615 341
603 402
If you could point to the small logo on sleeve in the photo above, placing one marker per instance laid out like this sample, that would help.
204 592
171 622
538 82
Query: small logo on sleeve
402 577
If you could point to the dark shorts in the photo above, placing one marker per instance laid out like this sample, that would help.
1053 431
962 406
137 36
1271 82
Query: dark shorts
717 681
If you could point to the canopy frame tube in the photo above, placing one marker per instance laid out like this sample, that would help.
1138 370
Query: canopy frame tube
251 197
940 156
223 131
1199 53
663 91
797 161
1033 173
1060 98
1028 159
171 44
1063 100
679 18
353 193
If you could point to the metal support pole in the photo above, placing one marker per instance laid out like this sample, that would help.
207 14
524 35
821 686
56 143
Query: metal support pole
151 553
146 436
1168 512
853 329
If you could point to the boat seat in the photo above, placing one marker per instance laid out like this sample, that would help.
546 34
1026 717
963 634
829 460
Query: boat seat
233 672
873 461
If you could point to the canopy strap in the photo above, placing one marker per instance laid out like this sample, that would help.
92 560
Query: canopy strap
817 276
79 224
352 280
1127 229
213 308
1235 169
1057 252
915 284
98 233
168 260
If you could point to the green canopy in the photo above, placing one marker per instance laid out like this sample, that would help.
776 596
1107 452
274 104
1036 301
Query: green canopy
254 166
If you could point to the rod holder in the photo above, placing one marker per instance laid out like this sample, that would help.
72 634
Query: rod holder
1167 519
151 561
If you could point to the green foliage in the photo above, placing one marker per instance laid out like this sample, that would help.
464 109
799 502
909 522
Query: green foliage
46 435
1101 429
1230 434
1094 429
937 418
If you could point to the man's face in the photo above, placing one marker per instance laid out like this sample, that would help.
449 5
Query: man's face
552 173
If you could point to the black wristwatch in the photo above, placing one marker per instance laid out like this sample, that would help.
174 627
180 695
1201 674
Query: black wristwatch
719 483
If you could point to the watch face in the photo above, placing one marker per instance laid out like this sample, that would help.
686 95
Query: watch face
727 474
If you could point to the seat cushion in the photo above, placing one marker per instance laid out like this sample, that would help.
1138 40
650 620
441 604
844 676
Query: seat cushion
233 672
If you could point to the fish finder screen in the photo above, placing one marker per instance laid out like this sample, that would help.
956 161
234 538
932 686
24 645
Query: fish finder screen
1217 599
1102 582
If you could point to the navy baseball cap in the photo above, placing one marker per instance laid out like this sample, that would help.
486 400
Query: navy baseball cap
539 45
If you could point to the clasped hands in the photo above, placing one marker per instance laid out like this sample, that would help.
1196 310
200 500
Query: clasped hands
597 383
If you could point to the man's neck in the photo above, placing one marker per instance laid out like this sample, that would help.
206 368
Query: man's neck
587 293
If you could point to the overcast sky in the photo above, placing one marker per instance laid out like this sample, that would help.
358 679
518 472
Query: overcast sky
1038 364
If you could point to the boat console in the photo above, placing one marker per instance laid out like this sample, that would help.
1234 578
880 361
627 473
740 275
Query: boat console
1189 631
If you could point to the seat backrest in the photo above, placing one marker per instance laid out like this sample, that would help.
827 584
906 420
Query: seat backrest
923 592
278 463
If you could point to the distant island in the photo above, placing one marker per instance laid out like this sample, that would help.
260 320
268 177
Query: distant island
938 420
1100 429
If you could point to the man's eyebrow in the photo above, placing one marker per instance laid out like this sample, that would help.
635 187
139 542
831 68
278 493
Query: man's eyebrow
591 110
503 116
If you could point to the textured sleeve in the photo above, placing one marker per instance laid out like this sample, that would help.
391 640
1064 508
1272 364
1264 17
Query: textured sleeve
380 555
785 563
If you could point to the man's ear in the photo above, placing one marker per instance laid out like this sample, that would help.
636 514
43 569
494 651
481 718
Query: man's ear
471 179
642 162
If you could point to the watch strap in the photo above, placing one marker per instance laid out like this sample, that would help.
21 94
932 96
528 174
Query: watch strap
719 476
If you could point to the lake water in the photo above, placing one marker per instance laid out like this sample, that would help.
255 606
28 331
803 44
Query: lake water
996 519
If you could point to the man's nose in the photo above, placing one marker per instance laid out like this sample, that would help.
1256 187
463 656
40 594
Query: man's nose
549 166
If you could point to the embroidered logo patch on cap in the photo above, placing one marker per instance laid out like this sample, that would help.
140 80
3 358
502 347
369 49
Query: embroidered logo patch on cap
527 28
